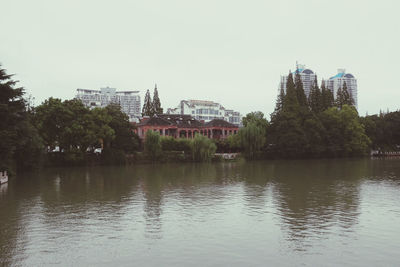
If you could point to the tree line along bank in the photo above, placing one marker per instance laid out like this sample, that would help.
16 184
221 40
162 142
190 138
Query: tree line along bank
317 126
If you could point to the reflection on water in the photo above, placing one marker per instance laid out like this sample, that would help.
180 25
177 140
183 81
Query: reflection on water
280 212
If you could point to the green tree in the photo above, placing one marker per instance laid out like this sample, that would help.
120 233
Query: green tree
327 97
20 144
291 102
147 109
203 148
301 96
345 133
256 117
279 102
315 98
50 119
347 99
125 138
152 145
157 109
252 139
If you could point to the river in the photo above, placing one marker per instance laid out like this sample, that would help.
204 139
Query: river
262 213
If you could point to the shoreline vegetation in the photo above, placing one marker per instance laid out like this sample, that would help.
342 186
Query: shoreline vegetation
64 133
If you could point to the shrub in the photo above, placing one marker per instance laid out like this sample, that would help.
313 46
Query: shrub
168 143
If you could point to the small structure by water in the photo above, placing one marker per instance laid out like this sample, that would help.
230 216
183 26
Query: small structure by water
227 156
378 153
3 177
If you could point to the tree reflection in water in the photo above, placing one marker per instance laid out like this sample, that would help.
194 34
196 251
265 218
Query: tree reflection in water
318 198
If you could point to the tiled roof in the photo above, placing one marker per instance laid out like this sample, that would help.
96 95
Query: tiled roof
182 121
220 123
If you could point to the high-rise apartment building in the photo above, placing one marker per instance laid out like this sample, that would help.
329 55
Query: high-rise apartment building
128 100
337 81
307 77
206 111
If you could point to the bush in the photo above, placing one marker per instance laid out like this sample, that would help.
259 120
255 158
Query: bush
168 143
203 148
152 145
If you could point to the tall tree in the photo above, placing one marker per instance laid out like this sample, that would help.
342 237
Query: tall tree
301 96
315 98
290 102
20 144
347 99
279 102
147 109
157 109
327 96
339 101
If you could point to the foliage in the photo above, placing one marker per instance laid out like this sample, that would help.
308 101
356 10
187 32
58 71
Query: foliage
326 97
345 135
343 97
147 109
252 139
157 109
316 129
315 98
20 144
203 148
152 145
168 143
234 143
383 130
125 138
301 96
255 117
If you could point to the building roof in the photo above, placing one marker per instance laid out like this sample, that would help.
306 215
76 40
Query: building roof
220 123
341 75
175 120
182 121
305 71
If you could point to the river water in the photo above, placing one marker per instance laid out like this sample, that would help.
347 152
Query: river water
264 213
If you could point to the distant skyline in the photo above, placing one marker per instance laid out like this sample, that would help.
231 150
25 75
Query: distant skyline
231 52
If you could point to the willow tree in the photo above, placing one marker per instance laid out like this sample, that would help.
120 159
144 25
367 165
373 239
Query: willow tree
203 148
252 139
152 145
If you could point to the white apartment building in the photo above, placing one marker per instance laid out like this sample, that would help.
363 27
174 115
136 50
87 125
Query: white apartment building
206 111
307 77
128 100
337 81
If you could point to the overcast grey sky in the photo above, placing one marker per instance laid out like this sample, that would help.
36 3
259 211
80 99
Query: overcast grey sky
232 52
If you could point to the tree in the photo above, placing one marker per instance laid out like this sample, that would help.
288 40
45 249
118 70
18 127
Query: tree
20 144
347 99
339 102
327 97
147 109
301 96
152 145
157 109
256 117
291 101
203 148
345 135
252 139
315 98
125 138
279 102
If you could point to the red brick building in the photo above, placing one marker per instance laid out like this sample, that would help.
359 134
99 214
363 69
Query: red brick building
185 126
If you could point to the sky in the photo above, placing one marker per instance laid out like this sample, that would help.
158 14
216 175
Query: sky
231 52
